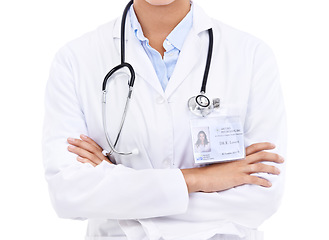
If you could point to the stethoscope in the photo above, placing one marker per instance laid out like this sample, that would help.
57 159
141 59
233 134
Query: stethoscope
200 105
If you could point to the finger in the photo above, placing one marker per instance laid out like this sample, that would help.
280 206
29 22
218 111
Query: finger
86 146
264 156
85 160
84 154
264 168
91 141
258 181
257 147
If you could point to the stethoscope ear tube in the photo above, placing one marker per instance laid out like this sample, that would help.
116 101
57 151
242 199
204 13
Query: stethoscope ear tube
131 84
121 125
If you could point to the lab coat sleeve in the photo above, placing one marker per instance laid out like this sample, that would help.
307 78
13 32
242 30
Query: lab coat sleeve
251 205
265 122
80 191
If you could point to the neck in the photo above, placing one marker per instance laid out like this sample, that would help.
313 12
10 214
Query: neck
158 21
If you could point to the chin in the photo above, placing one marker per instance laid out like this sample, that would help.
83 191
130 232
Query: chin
159 2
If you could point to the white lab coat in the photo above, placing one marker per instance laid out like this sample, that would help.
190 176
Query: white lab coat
145 195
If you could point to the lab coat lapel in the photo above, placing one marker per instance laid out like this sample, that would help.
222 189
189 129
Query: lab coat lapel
138 58
188 58
190 54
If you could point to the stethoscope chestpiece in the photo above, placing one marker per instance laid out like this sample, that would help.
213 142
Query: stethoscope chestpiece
200 105
202 101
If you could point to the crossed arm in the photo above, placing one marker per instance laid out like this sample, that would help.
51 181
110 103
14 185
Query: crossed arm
213 178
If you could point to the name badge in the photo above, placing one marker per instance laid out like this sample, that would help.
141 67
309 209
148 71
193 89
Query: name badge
217 139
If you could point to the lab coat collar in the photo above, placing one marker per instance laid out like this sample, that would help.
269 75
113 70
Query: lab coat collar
189 56
201 22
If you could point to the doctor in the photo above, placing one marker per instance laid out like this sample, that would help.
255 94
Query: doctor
161 191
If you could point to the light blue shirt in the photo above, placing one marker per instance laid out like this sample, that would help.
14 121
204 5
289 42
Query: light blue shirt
164 67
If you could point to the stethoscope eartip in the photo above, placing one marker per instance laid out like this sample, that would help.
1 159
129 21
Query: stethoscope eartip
135 151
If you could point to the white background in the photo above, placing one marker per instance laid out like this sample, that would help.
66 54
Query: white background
32 31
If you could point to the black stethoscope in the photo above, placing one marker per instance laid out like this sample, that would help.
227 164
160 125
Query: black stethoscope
200 105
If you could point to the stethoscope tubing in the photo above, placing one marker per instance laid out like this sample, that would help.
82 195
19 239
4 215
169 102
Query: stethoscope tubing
122 65
123 29
209 56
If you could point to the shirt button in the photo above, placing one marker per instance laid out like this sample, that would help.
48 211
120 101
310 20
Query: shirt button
160 100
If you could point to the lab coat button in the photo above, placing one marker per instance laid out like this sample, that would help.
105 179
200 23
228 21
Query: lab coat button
166 163
160 100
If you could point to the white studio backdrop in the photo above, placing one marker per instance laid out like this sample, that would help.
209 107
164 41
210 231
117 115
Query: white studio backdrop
31 33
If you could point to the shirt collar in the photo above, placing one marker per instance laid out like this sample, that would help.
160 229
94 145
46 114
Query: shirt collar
201 22
179 33
177 36
135 25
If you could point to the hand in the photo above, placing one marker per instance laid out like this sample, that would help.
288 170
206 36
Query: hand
223 176
88 150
